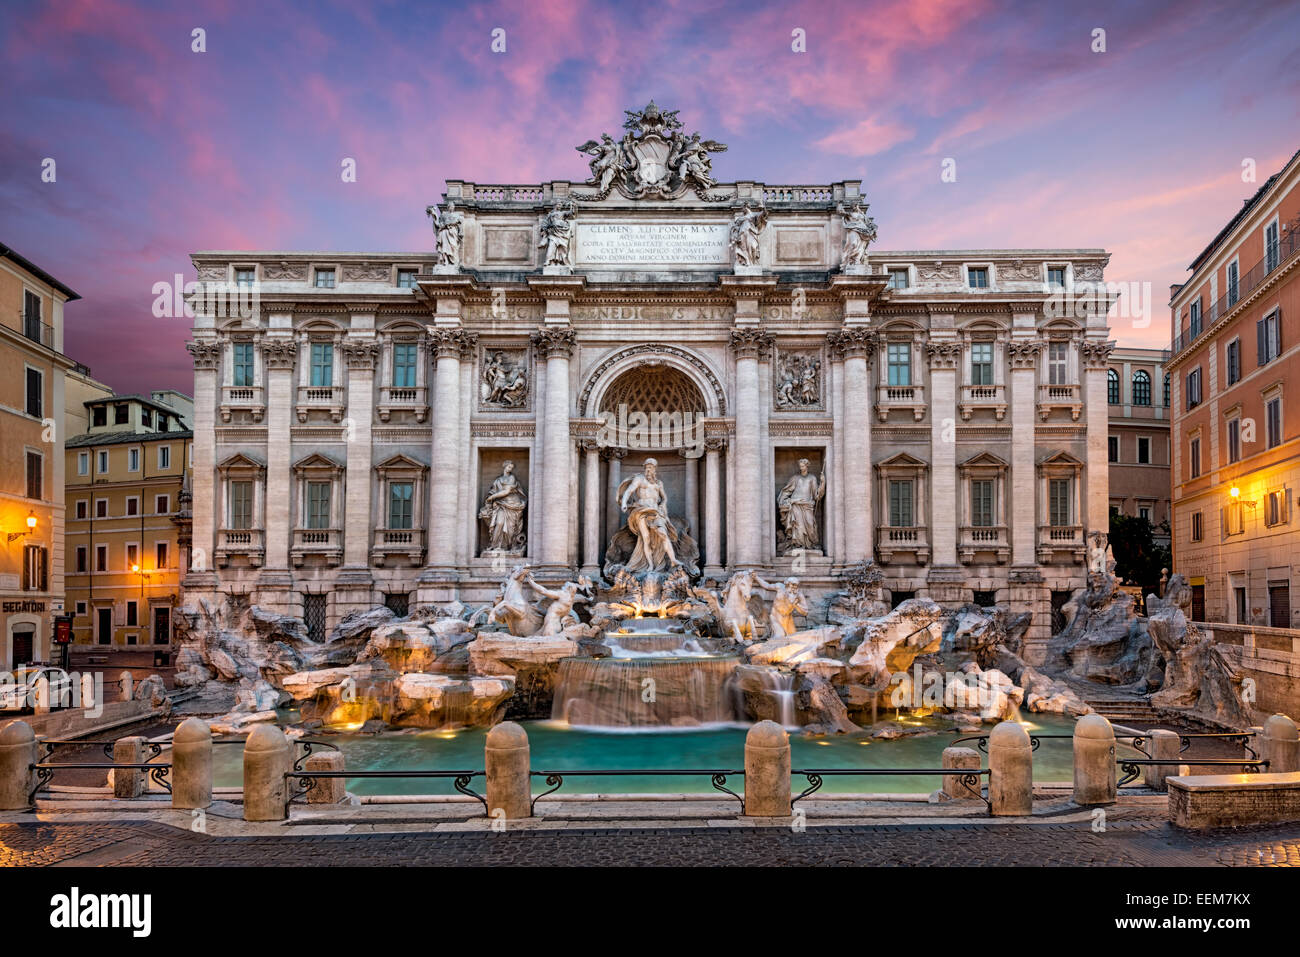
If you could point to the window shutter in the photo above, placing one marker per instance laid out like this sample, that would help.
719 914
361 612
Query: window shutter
1261 344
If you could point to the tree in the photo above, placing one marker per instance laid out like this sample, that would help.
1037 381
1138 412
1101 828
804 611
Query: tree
1138 559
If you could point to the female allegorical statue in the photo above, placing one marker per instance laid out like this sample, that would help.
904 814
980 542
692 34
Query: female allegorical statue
503 510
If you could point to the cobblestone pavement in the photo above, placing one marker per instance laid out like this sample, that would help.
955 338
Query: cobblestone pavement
1125 844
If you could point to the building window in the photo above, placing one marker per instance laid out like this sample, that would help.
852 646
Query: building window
1166 396
81 559
121 414
102 464
400 498
1232 357
101 558
406 278
1234 440
318 505
146 417
1144 512
1141 387
1271 255
162 423
981 363
160 554
404 361
324 278
1198 527
1194 457
32 317
1273 421
1056 276
901 513
1234 519
132 505
162 504
35 393
81 608
1277 507
1193 388
1144 450
978 277
132 556
1058 501
1268 337
245 277
1112 387
1279 604
898 279
322 364
1195 318
1232 284
133 460
35 475
82 510
981 502
313 616
899 361
241 504
164 456
101 508
83 463
36 567
1112 448
132 614
242 364
1057 362
99 416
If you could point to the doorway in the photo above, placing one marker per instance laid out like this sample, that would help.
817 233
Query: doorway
24 645
104 627
162 626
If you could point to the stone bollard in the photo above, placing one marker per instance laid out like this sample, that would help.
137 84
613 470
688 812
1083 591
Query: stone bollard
953 789
1094 761
41 692
326 790
1011 771
88 700
1281 743
767 771
125 685
128 782
506 759
17 755
1164 744
268 757
192 765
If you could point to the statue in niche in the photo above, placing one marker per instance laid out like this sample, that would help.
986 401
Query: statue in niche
449 227
797 503
745 231
649 541
557 234
799 384
503 510
786 603
505 383
859 234
512 609
560 613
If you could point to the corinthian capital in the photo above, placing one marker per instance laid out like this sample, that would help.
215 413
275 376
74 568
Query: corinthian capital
279 353
206 353
854 341
1096 353
1023 353
553 342
943 354
750 343
360 354
451 343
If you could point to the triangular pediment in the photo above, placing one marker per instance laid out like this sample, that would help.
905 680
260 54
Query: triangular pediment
984 460
902 460
400 461
240 460
1061 457
317 460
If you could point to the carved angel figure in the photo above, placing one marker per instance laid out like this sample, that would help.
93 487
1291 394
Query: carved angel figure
608 160
690 158
745 231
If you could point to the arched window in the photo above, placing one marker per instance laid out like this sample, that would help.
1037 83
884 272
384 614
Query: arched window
1141 387
1166 390
1112 387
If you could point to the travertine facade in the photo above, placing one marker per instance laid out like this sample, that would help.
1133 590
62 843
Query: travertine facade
349 435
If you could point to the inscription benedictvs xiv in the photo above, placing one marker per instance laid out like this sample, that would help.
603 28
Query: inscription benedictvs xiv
652 243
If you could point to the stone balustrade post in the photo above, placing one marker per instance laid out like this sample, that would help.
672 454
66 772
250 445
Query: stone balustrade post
17 755
128 782
268 757
192 765
767 771
125 685
1281 742
1163 744
1011 771
1094 761
507 761
965 759
326 790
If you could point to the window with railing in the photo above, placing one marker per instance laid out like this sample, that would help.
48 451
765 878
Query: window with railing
1057 363
242 358
981 363
400 504
982 502
322 364
1194 319
901 512
1058 502
1232 284
318 504
404 365
1271 247
241 505
899 361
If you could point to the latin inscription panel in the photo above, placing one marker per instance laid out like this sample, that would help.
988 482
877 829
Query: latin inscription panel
677 244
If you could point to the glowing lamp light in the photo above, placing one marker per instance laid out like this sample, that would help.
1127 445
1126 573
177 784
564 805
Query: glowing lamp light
135 568
31 521
1234 492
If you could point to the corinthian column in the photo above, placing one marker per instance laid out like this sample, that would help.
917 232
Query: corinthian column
206 353
591 508
449 346
1096 360
945 357
1022 352
281 353
856 344
747 550
556 344
713 505
357 518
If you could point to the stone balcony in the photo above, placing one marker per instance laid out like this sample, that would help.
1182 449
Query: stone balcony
908 398
401 544
894 540
977 397
242 398
412 399
248 543
977 540
324 398
322 543
1052 397
1060 543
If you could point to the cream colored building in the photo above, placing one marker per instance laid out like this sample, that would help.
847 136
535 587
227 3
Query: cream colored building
347 434
127 545
1137 395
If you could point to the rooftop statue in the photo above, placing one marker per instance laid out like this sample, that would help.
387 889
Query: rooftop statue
654 159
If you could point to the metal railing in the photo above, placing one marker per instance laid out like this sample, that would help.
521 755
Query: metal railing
555 779
44 768
307 780
967 777
1131 768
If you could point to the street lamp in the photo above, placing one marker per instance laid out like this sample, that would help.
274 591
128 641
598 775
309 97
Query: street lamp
31 527
1235 493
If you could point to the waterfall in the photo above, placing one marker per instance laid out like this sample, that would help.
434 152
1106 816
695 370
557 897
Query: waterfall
644 692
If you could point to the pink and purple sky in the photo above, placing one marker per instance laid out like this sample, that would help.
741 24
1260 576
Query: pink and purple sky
162 151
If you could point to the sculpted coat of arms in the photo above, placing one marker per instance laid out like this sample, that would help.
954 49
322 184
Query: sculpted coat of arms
654 159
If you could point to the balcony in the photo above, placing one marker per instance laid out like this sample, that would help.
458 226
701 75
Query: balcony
38 331
323 398
242 398
1060 543
323 543
909 398
398 543
1052 397
247 543
974 397
402 399
976 540
893 540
